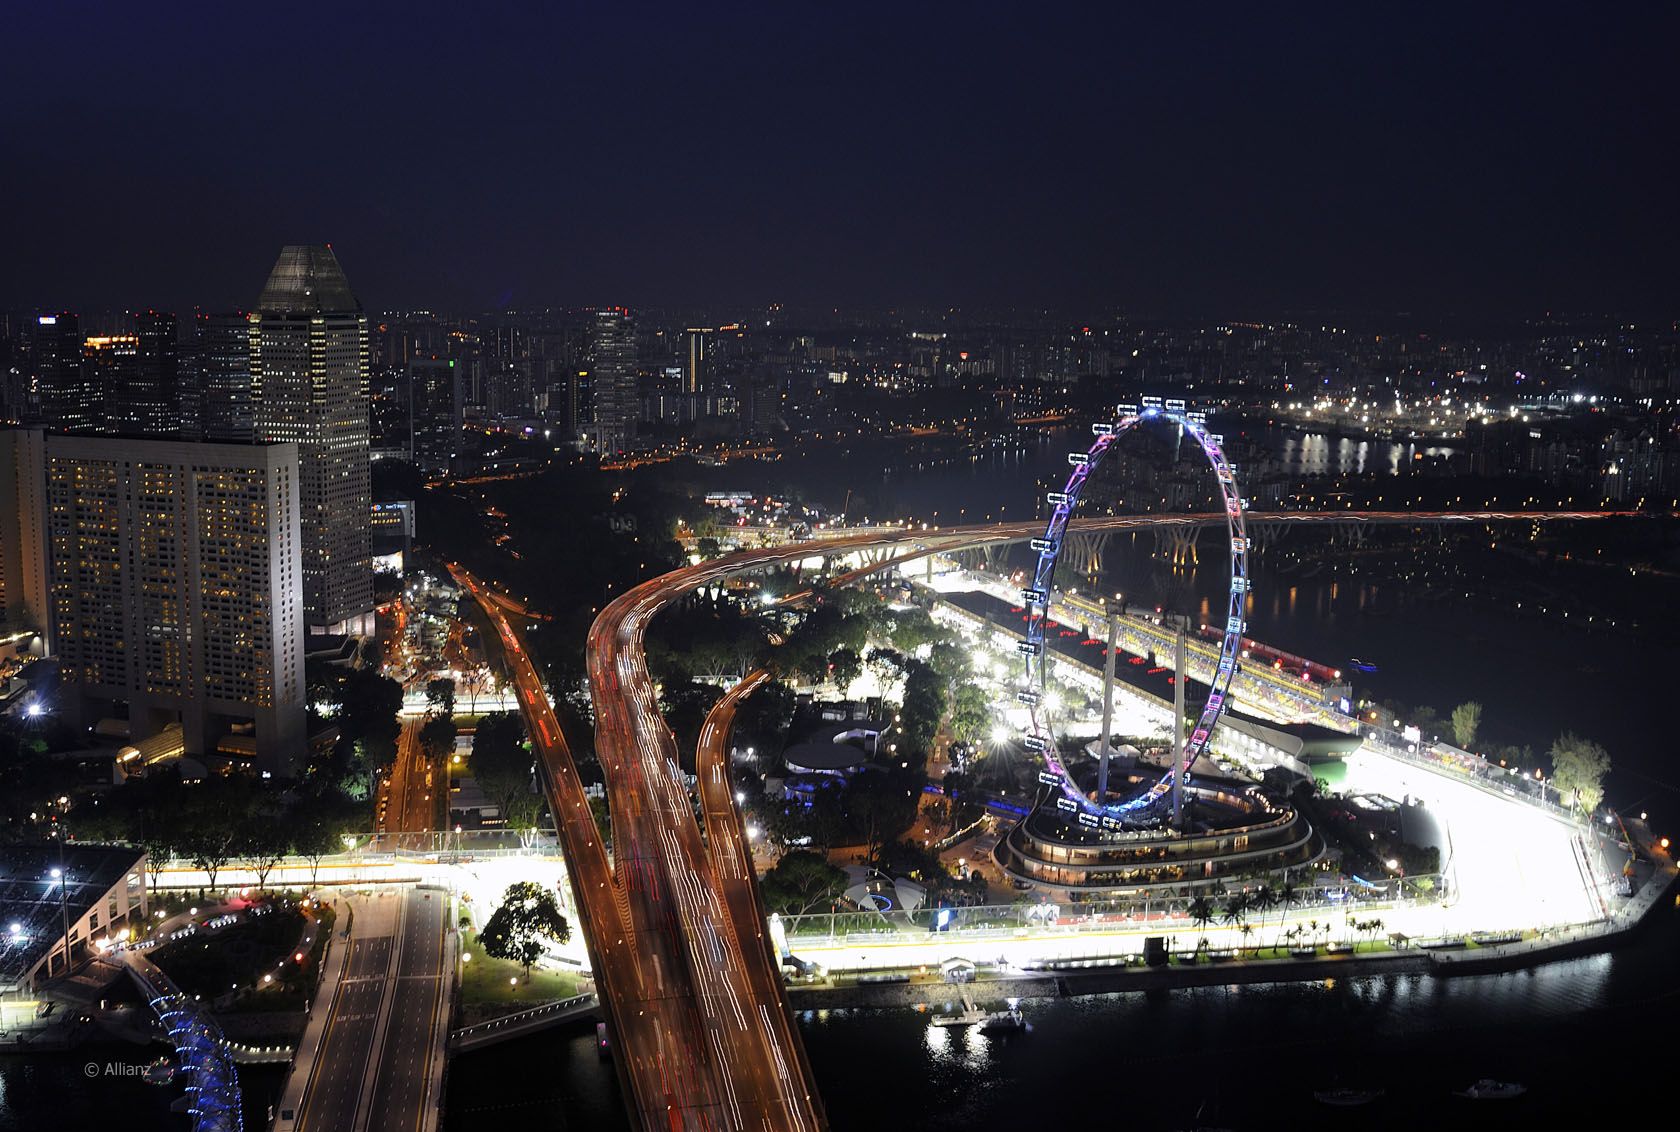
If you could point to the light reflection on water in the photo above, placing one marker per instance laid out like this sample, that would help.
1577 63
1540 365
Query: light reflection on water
1316 454
1257 1049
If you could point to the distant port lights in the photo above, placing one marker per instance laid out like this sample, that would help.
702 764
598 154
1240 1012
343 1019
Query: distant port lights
1036 601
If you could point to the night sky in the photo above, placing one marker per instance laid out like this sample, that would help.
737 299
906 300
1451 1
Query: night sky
1251 159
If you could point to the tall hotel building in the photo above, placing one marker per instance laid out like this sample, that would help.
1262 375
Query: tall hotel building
23 536
174 585
309 387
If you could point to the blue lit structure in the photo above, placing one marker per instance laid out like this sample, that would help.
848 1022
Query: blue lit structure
1100 813
212 1080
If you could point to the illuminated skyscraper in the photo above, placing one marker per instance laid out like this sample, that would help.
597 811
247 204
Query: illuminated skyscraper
110 363
64 394
436 404
139 383
309 386
613 380
224 375
697 348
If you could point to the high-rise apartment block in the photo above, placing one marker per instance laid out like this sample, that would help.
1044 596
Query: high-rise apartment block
309 387
174 584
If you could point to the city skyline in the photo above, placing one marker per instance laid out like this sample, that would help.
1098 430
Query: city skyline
991 544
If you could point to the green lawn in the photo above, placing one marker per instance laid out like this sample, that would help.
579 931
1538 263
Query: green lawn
485 980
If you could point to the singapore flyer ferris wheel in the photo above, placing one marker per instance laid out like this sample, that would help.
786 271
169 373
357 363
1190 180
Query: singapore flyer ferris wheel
1100 812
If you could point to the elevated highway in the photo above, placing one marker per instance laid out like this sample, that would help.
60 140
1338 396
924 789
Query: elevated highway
700 1029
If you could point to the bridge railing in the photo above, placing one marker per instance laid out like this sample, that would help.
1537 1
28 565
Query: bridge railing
547 1010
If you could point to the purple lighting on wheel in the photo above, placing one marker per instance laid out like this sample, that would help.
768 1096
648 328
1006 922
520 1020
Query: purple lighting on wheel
1048 546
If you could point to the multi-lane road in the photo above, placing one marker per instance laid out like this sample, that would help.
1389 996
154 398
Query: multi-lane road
697 1010
729 852
376 1069
406 1071
409 802
344 1060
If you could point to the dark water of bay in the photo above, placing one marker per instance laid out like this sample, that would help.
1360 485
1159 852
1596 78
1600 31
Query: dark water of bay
58 1092
1591 1038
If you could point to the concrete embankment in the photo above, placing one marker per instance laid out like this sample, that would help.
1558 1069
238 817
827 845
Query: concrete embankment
1568 943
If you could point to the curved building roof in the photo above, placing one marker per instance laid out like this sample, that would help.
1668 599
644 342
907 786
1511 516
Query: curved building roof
818 755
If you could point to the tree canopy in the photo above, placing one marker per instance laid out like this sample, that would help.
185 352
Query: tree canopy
440 694
528 917
502 767
1466 719
802 882
1578 768
971 712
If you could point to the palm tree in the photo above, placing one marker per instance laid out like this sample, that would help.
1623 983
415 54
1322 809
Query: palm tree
1236 910
1201 911
1264 900
1247 930
1288 897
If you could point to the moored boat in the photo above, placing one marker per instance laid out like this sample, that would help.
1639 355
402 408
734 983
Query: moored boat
1488 1089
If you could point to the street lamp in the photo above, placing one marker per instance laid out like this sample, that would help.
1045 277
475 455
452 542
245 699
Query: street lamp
63 907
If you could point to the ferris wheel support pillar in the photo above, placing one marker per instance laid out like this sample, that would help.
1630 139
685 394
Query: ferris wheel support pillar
1108 711
1178 720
